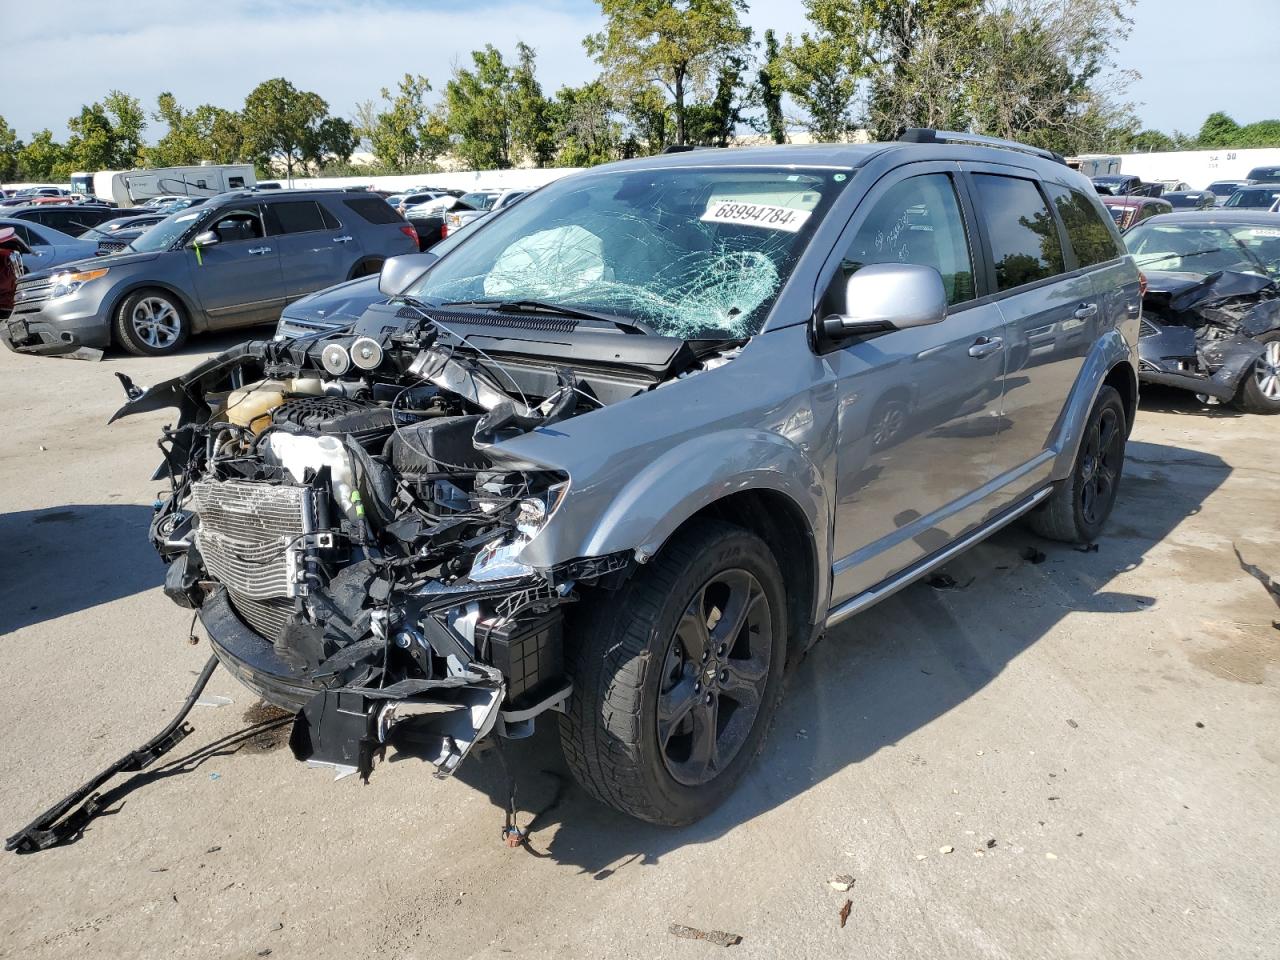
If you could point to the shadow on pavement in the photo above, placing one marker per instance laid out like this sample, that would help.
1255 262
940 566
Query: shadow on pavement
1161 399
64 559
881 676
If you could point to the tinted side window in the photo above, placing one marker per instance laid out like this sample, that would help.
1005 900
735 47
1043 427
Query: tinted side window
30 237
330 221
235 225
1024 236
1090 237
235 183
374 209
295 216
916 221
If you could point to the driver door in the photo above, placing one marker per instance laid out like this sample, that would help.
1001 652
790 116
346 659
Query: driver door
919 408
238 280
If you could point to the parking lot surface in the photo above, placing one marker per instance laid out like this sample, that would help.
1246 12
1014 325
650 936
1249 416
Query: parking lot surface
1092 736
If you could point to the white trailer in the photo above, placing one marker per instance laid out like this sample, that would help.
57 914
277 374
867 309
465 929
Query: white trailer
132 187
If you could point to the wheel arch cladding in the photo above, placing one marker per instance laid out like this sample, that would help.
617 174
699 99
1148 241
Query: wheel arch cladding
1125 382
1111 359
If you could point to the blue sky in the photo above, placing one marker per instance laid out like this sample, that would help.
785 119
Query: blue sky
60 54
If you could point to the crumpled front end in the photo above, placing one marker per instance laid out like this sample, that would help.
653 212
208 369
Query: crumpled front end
1198 333
343 516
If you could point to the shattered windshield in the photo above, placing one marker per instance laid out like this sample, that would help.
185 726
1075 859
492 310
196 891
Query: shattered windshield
691 253
1203 249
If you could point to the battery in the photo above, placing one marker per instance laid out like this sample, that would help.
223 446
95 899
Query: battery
530 654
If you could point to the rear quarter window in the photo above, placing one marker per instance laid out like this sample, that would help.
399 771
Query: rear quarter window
1023 234
1090 237
373 210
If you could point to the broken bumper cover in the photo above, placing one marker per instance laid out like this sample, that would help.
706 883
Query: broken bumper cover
1175 357
348 727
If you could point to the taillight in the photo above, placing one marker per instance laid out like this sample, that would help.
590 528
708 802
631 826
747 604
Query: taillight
1142 284
411 233
444 229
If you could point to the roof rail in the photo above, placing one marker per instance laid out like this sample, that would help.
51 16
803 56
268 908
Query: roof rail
929 135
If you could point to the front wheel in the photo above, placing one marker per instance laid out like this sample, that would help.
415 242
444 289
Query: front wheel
676 676
151 323
1260 390
1079 506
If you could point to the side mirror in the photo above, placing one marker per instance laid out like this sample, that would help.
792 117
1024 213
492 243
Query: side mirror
205 238
888 296
399 273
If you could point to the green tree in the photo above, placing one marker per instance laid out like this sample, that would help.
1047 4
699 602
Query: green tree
106 135
406 135
1263 133
769 84
530 111
584 127
42 157
1218 130
680 45
10 151
479 104
713 123
292 129
821 68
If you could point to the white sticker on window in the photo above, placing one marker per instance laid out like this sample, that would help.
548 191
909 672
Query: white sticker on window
188 216
764 215
1265 232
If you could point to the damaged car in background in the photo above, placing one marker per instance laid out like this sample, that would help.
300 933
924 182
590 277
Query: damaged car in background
1211 311
618 456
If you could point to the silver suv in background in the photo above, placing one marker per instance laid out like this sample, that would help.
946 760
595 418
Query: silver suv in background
637 443
234 261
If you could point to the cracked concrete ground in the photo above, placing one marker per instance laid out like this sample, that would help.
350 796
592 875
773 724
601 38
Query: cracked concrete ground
1108 719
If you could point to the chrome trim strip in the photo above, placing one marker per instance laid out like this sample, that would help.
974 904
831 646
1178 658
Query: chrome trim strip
895 583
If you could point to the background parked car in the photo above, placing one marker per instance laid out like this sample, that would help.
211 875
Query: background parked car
1264 175
1253 197
1127 211
1191 199
70 220
1118 185
236 261
1222 189
473 206
49 247
1172 186
111 227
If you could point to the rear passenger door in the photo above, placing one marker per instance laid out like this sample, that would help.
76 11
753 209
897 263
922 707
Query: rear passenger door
1050 319
315 251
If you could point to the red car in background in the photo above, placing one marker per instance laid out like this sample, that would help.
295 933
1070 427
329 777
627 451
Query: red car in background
1127 211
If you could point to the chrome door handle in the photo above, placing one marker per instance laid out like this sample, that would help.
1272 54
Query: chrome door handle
259 251
342 239
985 346
1086 311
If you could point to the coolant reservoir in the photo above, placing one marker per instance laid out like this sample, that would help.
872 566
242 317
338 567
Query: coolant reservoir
251 405
298 453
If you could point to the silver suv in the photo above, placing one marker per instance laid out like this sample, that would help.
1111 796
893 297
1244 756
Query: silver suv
234 261
628 450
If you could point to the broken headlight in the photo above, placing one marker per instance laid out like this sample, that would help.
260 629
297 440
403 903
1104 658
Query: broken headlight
64 284
496 560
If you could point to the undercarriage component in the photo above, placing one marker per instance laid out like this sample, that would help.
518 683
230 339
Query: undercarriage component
60 823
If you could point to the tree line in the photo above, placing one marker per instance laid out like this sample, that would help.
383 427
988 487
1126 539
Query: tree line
677 72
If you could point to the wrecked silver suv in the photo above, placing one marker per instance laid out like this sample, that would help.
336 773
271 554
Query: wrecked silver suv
627 450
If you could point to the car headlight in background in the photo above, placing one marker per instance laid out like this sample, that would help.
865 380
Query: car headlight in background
65 284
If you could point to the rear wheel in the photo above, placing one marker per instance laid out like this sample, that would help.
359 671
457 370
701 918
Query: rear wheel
1079 506
677 675
150 323
1260 390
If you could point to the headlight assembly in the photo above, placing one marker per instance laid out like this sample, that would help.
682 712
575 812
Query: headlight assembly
65 284
496 560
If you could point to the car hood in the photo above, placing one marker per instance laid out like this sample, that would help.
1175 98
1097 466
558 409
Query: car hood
345 302
93 263
1183 290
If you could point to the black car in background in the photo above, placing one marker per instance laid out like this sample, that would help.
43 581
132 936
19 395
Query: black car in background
1191 199
1223 189
1264 175
72 220
1257 196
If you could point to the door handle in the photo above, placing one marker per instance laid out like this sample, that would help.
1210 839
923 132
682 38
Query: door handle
985 346
1086 311
342 239
259 251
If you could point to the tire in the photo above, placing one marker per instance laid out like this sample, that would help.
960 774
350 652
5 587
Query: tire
150 323
365 268
1260 390
1079 506
642 701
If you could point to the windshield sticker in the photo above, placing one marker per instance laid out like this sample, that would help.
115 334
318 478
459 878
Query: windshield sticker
188 216
1265 232
755 215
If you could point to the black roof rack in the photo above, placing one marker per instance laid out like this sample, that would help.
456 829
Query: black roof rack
929 135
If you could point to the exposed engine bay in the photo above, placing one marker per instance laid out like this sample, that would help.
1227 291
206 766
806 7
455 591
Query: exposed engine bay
1199 332
342 513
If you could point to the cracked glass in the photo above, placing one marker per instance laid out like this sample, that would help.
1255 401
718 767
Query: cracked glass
689 252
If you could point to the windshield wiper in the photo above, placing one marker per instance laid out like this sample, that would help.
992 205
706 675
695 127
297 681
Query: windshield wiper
542 306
